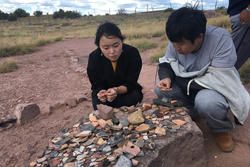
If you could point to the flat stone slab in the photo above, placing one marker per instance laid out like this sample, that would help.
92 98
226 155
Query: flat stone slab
165 136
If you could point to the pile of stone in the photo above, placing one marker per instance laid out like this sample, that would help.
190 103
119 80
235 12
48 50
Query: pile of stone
124 137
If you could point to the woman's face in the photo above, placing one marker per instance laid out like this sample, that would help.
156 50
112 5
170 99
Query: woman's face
111 47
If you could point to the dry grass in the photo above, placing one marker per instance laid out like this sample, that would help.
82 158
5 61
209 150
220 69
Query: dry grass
8 65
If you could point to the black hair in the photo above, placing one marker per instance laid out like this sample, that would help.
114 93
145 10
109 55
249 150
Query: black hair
108 29
185 23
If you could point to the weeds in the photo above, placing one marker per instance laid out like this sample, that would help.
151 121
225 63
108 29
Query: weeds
8 66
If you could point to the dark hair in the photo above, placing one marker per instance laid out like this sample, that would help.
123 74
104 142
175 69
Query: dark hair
185 23
108 29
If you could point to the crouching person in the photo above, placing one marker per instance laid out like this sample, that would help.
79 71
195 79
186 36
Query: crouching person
198 69
113 69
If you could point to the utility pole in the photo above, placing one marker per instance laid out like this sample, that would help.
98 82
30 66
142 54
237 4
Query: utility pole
109 10
135 9
215 6
147 7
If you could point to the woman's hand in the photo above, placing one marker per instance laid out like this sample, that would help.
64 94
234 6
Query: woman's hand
102 96
111 94
165 85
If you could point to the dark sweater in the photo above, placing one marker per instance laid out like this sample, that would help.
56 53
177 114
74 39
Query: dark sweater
102 76
236 6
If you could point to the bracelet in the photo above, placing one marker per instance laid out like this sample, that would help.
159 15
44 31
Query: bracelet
248 9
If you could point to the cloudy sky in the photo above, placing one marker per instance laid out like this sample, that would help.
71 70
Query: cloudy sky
95 7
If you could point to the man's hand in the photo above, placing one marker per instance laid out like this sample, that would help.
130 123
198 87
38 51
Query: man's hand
245 16
165 85
102 96
111 94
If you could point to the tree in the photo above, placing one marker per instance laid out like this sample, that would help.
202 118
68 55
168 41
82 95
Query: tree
121 11
12 17
38 13
3 16
21 13
68 14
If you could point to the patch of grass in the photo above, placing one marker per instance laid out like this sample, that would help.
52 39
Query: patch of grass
221 21
8 66
16 50
245 72
159 52
142 44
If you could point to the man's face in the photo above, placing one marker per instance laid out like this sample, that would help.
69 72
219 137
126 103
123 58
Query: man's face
186 46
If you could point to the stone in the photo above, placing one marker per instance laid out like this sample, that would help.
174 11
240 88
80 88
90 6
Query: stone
179 122
142 128
81 98
86 127
150 111
124 122
92 117
63 141
178 110
114 140
40 160
101 141
54 162
136 117
131 148
32 164
135 162
146 106
84 133
131 108
105 112
106 149
71 164
139 143
121 115
26 112
160 131
123 162
117 127
102 122
71 102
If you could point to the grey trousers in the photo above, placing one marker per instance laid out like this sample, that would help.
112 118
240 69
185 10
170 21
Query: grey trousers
208 104
241 38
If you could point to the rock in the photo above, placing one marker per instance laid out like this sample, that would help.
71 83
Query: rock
105 112
142 128
146 106
131 148
71 164
136 117
26 112
186 149
86 127
71 102
84 133
54 162
102 122
124 122
121 115
92 117
40 160
160 131
135 162
150 111
32 164
179 122
81 98
123 162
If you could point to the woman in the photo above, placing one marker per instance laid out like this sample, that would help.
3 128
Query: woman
113 69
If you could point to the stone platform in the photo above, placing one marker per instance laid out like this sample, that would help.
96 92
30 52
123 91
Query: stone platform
145 135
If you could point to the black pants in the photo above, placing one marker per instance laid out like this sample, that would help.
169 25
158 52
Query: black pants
128 99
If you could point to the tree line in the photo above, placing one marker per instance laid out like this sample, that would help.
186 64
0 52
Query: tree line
18 13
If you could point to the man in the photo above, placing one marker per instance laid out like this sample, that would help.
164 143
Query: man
239 11
198 69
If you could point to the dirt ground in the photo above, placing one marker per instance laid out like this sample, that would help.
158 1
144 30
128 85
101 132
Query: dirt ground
52 75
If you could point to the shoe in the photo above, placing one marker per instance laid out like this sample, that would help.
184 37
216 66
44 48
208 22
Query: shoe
224 141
